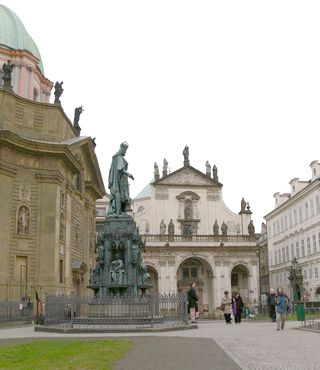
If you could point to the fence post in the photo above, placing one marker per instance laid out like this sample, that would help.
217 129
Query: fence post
72 311
152 310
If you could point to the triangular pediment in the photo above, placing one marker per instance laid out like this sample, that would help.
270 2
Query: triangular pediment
188 176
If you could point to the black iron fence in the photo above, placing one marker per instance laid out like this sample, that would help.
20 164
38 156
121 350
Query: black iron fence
15 311
116 312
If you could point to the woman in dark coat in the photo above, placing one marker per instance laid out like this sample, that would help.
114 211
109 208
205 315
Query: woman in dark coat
192 302
237 307
271 301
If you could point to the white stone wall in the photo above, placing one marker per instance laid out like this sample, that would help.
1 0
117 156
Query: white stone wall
294 231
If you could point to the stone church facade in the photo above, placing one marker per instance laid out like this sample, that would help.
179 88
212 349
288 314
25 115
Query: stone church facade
191 235
49 182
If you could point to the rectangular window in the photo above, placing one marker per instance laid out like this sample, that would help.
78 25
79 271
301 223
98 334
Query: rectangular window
305 274
61 271
310 274
283 255
292 251
194 272
316 273
185 273
303 252
279 255
300 214
285 222
234 279
274 228
297 250
318 204
311 208
290 219
281 224
306 210
287 253
275 258
295 217
308 245
314 242
278 227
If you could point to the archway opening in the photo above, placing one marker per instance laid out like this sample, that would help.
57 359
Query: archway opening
199 271
240 281
154 280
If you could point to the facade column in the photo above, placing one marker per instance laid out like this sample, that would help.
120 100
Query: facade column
22 81
6 186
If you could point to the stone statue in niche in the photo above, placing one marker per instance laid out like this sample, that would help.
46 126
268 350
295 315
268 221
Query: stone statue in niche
216 229
116 274
23 225
162 227
224 229
188 212
251 228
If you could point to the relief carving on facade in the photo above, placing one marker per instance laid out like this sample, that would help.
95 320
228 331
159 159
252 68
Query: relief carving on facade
23 221
162 196
187 177
24 193
213 195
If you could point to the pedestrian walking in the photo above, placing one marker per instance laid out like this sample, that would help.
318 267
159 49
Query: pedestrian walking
237 307
226 303
192 301
281 301
272 305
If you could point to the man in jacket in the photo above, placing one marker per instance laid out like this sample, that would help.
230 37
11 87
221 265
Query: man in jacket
281 301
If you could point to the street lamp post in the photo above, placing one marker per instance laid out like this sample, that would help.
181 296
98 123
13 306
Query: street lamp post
259 278
294 276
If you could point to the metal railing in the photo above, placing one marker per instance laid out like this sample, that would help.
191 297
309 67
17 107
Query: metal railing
128 312
199 238
15 311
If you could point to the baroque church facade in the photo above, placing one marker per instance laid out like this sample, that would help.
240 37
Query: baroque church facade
49 179
191 235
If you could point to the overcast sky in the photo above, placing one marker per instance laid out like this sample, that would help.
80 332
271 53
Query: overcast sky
236 81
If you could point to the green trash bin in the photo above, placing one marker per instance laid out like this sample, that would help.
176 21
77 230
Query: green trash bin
300 311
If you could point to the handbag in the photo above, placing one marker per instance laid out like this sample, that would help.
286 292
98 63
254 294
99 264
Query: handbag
221 307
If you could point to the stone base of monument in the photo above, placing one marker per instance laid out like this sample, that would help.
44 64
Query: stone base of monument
150 312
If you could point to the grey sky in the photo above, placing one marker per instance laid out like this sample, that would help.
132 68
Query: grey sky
237 81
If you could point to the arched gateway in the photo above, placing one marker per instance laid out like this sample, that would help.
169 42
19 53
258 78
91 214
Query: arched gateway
198 270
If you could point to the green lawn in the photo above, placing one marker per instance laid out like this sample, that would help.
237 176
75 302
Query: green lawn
64 354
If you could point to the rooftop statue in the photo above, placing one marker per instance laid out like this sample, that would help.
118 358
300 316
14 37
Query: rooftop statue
185 153
77 113
215 173
58 90
208 169
156 171
118 183
7 69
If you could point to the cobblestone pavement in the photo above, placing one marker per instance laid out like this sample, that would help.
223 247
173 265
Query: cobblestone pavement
252 345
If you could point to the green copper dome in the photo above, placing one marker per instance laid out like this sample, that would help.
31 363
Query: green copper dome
14 36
